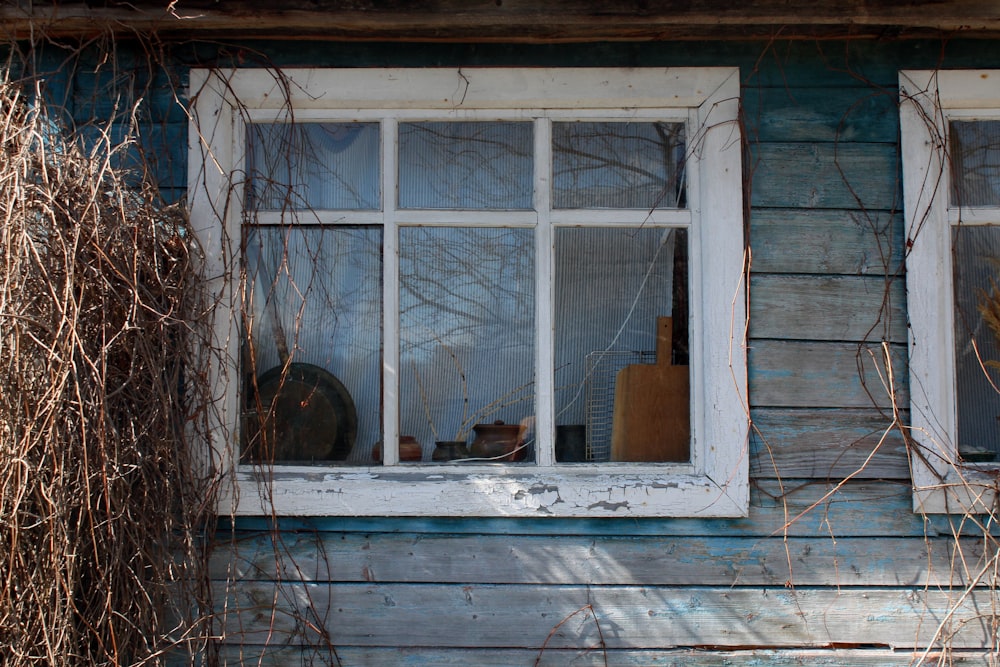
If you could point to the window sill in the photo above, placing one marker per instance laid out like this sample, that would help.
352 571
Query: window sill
451 491
972 490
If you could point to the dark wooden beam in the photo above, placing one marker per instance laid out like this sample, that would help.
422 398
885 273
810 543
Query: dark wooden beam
507 20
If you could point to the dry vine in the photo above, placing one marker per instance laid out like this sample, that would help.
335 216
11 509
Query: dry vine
103 519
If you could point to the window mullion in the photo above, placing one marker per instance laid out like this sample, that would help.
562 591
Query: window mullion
390 297
544 298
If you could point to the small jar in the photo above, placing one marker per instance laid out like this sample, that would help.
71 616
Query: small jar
450 450
409 450
498 441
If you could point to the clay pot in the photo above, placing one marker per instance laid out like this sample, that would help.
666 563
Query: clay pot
498 441
450 450
409 450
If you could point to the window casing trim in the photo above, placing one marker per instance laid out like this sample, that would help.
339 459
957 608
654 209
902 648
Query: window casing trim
713 484
929 99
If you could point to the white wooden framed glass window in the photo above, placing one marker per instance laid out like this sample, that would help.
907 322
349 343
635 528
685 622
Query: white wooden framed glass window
403 257
950 133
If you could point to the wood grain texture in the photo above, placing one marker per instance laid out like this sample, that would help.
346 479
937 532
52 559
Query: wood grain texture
599 561
826 375
283 656
527 616
845 242
652 414
517 20
825 176
826 444
823 113
840 308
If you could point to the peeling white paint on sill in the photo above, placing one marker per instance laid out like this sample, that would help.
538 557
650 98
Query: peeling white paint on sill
484 491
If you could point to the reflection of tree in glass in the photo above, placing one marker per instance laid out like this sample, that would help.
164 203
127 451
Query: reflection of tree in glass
313 165
466 327
319 288
471 165
466 284
633 165
975 156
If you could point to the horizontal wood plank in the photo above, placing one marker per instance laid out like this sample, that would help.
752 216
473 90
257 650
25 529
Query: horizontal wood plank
531 616
826 375
517 20
841 308
282 656
826 242
822 113
571 560
825 176
826 444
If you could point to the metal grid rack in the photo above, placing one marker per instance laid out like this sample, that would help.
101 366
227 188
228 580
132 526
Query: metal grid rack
602 371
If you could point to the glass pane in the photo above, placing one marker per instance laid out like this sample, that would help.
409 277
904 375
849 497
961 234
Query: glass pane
467 339
617 165
975 160
314 298
621 366
977 352
313 166
449 165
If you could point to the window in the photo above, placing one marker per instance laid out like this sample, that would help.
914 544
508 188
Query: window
950 124
462 292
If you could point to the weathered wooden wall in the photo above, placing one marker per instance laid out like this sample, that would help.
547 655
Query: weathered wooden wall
831 567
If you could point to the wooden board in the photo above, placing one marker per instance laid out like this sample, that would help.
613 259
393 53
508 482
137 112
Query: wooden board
603 561
807 374
511 20
826 241
839 308
283 656
808 175
528 616
652 415
826 444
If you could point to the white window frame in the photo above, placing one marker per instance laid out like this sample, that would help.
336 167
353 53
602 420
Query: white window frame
713 484
929 100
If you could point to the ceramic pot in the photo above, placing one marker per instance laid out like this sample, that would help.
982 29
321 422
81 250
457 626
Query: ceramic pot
409 450
498 441
450 450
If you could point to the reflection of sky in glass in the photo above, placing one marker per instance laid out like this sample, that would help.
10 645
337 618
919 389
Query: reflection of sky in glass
467 313
471 165
975 162
313 166
634 165
324 285
976 261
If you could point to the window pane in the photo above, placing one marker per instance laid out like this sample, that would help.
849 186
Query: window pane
975 159
467 328
612 287
617 165
313 166
977 352
314 297
465 165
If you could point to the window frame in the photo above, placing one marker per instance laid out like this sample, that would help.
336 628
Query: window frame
713 484
929 100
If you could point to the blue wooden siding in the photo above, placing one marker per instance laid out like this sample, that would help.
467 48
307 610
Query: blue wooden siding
831 567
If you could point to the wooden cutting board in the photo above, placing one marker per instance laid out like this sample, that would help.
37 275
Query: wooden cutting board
652 410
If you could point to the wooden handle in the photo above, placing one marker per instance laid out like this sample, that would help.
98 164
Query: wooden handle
664 341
